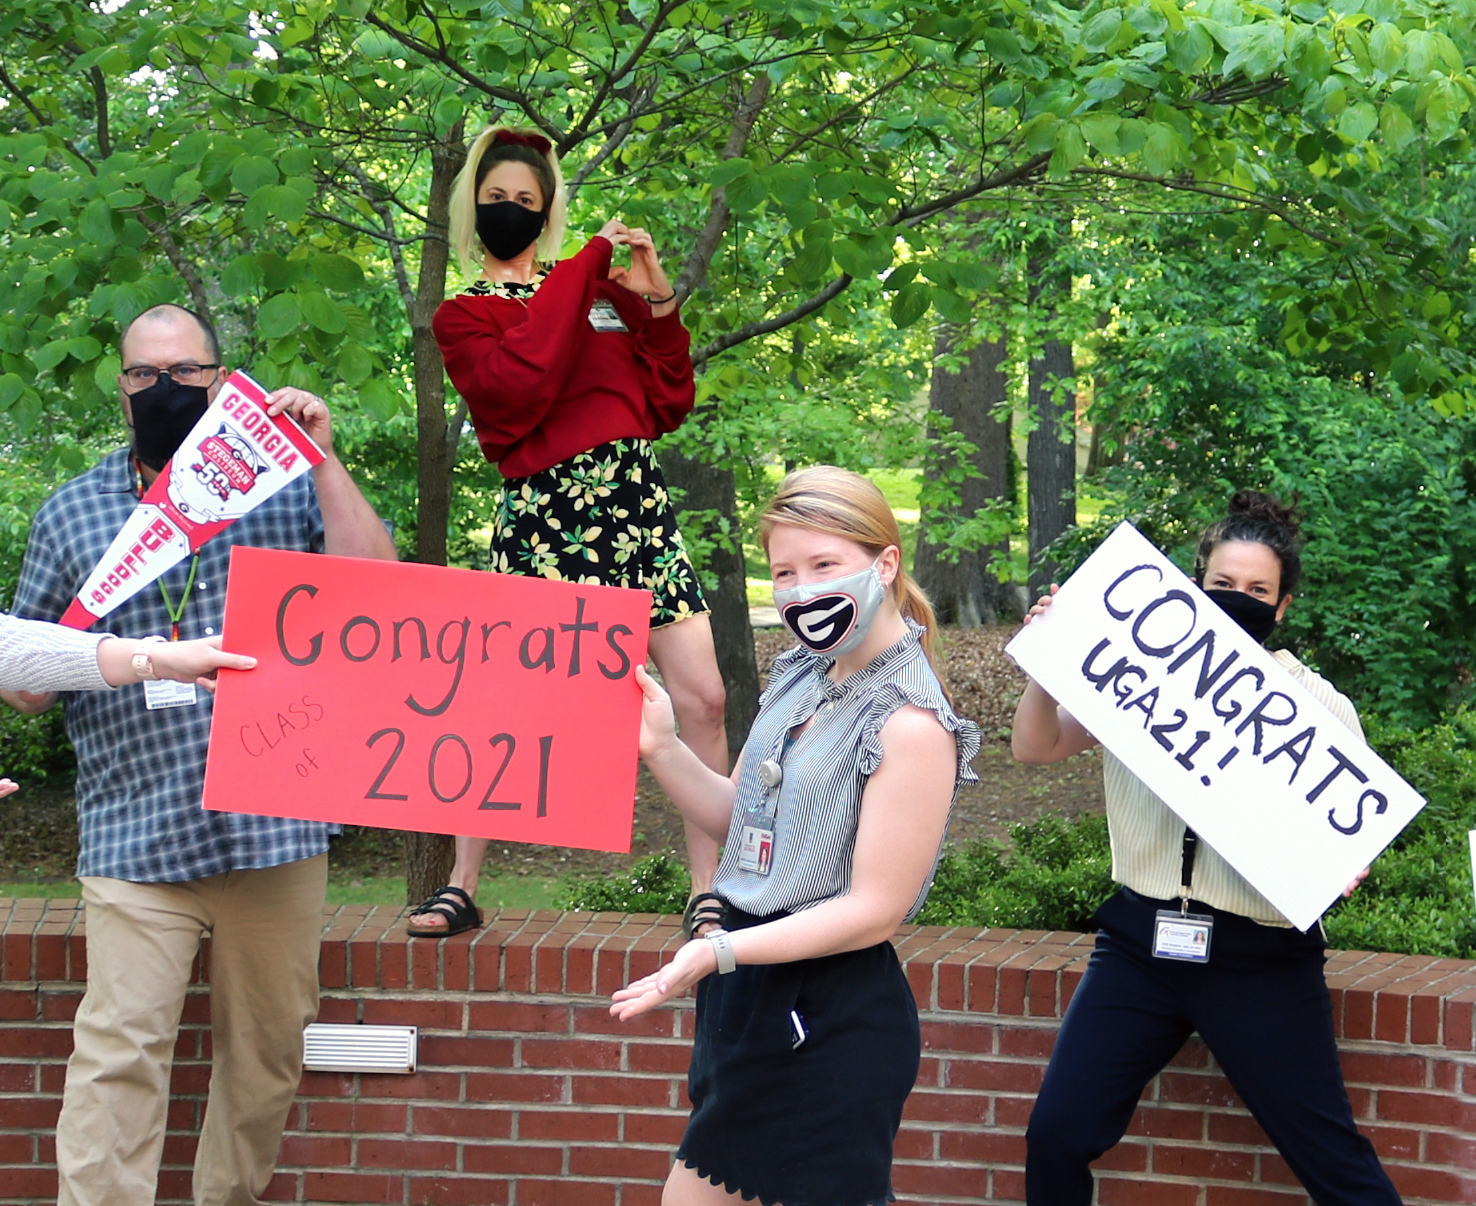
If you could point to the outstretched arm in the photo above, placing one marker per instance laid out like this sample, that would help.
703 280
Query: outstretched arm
1043 730
903 813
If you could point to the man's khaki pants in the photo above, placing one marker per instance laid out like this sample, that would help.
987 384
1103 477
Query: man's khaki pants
264 928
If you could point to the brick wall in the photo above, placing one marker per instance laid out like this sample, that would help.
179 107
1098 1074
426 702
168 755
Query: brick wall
528 1094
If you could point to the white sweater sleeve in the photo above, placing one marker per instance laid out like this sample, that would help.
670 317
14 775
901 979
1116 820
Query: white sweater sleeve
37 656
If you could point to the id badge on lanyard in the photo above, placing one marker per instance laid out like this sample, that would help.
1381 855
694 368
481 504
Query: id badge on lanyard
1183 935
756 840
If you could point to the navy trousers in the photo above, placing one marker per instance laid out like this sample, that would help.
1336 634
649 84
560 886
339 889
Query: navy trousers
1262 1007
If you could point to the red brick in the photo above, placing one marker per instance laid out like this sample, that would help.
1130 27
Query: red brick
17 1078
596 1019
1239 1129
512 1159
516 1015
957 1036
23 1183
464 1122
394 965
35 1043
635 1194
1158 1122
1112 1191
1442 1147
1012 1111
583 1054
428 1015
913 1144
980 1147
923 1106
1030 1043
1246 1195
658 1057
456 963
937 1180
581 1125
620 1163
1391 1016
654 1128
992 1074
339 1010
425 1086
565 1193
1177 1160
1434 1109
622 1090
352 1187
454 1051
415 1153
1007 1185
1365 1068
1434 1183
16 1149
29 1113
513 1087
358 1117
983 983
1128 1156
458 1191
1196 1090
327 1151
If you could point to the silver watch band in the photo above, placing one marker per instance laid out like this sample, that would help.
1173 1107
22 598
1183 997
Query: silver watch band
722 947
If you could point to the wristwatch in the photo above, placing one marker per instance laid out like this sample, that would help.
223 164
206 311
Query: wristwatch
143 661
722 947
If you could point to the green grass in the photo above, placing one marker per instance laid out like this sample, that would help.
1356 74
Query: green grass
495 892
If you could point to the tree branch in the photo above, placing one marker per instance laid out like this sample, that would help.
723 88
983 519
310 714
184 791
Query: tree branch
426 50
695 266
612 144
183 266
100 92
764 326
40 118
576 135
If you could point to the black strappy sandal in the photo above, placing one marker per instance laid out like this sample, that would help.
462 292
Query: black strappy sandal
700 912
461 915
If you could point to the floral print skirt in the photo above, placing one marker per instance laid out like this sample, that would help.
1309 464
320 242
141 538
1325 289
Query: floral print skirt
602 517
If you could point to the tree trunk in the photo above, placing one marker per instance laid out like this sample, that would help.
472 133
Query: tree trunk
966 592
429 856
705 487
1050 453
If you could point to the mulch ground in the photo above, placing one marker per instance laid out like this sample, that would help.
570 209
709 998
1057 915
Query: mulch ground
38 839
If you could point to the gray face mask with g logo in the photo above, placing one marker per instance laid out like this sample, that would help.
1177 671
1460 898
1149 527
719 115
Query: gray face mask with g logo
833 617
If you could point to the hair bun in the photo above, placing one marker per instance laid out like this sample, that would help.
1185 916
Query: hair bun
1253 504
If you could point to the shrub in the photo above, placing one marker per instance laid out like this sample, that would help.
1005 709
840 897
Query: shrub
658 883
35 747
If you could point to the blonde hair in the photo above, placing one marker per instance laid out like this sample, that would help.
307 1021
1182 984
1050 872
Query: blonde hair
824 498
483 155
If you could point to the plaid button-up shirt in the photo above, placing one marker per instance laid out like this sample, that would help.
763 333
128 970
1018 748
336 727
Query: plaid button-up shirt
140 773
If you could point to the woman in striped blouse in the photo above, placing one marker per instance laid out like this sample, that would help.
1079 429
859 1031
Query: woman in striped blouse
807 1038
1260 1001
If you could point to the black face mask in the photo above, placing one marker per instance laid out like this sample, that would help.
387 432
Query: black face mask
163 414
507 228
1256 616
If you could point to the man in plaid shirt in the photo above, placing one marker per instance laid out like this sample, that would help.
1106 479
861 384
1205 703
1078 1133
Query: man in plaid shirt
158 872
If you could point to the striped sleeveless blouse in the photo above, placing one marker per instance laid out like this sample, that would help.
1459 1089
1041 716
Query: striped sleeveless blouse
1148 839
817 806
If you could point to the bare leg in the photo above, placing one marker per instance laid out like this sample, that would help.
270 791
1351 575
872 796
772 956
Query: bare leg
685 1188
687 659
469 854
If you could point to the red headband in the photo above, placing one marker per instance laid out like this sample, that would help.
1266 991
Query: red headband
537 141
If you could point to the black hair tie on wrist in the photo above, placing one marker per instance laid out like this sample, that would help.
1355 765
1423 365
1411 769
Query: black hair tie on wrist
661 301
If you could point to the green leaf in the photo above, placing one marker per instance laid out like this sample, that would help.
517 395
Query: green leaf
322 311
354 364
337 272
1097 35
84 348
746 193
380 402
48 356
728 171
1358 121
1386 47
1070 150
96 225
1163 150
105 373
251 174
448 112
1436 307
1443 113
1100 130
279 316
241 276
11 387
295 161
1257 51
1395 126
911 303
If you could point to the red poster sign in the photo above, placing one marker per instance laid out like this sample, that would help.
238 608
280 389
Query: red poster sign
432 699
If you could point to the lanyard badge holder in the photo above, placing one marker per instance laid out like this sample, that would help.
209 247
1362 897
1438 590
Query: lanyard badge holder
1183 935
756 842
159 693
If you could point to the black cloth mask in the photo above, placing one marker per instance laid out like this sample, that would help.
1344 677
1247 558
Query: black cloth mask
507 228
163 415
1256 616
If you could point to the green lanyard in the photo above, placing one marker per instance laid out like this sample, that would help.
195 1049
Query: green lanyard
175 613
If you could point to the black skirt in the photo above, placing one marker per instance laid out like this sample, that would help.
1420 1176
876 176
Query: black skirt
807 1125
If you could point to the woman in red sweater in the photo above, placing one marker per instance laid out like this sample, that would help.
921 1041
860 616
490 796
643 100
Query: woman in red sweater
569 372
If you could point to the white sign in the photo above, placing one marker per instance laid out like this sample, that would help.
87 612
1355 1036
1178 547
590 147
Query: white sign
234 459
1262 772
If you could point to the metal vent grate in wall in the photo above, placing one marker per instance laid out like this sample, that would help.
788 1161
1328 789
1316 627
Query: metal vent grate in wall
330 1048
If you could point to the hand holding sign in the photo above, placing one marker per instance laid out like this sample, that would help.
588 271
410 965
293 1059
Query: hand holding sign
1204 716
432 699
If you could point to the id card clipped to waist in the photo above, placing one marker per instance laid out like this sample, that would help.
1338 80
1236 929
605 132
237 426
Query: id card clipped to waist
1182 936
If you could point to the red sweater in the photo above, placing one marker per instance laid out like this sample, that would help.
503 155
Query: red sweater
541 384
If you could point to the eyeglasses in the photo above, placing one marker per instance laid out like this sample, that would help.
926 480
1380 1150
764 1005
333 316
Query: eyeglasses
185 374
